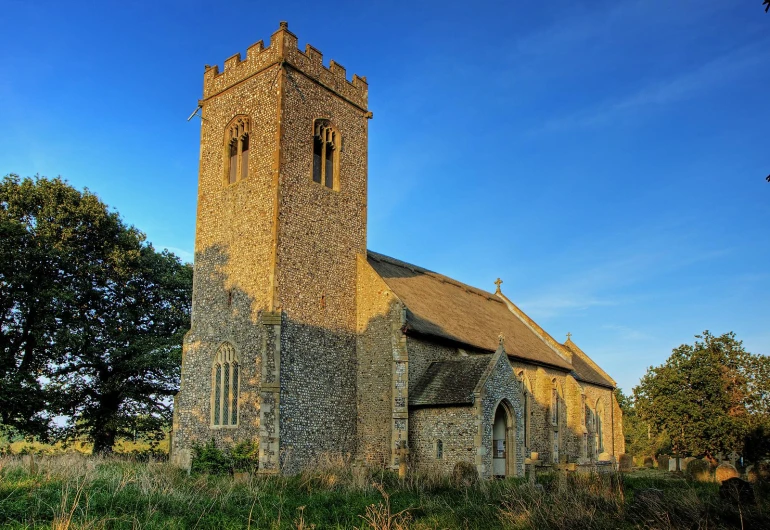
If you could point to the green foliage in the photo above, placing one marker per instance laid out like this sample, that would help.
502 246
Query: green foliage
210 459
91 316
640 436
757 443
707 397
245 456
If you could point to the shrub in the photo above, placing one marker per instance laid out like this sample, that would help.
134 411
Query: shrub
245 456
208 458
648 462
464 474
699 470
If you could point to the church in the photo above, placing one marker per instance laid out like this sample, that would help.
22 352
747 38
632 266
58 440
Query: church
307 343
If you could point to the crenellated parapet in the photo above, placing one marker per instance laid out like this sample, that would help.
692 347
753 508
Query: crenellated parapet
283 51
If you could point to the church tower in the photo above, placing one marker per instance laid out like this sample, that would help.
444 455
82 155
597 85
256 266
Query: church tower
270 356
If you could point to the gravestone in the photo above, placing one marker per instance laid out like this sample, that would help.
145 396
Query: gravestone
531 464
726 471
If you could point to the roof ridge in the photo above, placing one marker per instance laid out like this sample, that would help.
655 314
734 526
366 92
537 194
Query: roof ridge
546 337
570 344
440 277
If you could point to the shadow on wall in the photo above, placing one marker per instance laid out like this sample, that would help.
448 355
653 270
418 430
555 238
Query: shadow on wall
331 401
317 385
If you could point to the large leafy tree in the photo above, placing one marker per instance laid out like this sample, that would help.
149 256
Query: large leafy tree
640 437
92 316
707 397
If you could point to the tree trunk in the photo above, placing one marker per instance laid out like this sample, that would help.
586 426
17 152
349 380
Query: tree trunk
104 440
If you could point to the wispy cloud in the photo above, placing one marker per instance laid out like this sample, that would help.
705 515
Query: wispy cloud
627 333
720 71
601 271
553 304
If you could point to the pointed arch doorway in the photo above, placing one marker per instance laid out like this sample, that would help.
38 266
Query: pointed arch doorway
503 441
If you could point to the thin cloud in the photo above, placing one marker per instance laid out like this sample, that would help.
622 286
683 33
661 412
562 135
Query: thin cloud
607 273
715 73
627 333
551 305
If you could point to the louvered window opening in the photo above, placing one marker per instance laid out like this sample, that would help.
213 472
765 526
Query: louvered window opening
326 147
238 149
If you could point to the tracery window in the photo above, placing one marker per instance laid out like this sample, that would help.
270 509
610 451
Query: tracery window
326 154
237 149
225 387
599 426
591 428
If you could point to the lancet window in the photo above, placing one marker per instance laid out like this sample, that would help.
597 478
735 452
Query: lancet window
225 387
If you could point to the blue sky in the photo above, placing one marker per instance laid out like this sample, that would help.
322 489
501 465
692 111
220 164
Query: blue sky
606 159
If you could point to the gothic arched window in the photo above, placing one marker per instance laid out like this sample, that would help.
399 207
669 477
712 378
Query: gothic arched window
599 426
326 154
225 387
237 149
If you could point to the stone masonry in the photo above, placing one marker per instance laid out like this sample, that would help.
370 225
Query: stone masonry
339 350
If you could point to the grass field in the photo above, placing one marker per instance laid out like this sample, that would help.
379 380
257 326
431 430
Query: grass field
75 491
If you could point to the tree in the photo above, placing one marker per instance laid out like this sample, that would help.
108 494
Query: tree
640 436
707 396
93 316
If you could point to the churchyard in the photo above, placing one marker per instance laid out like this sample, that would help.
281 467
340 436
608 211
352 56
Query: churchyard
72 490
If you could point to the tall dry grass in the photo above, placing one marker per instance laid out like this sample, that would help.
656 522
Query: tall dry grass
73 491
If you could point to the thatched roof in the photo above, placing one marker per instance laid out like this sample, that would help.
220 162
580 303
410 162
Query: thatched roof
440 307
449 382
585 370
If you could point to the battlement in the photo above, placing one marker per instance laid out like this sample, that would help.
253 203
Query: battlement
283 50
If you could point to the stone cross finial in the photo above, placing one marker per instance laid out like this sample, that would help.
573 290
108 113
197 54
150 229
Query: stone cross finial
498 283
501 339
569 336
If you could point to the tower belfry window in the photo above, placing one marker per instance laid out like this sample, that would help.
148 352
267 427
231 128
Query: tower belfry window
244 155
326 149
237 149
